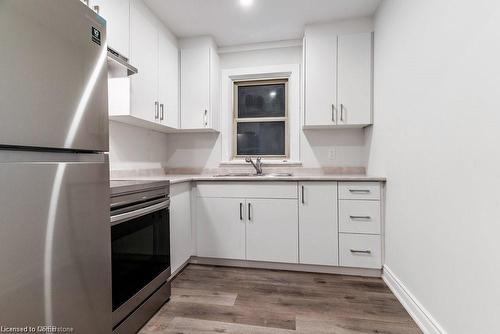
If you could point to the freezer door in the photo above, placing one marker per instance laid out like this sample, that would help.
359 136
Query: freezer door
53 70
55 250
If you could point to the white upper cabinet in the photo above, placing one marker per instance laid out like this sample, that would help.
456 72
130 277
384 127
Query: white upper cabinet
199 87
355 79
168 80
116 13
195 87
144 56
338 78
149 98
320 78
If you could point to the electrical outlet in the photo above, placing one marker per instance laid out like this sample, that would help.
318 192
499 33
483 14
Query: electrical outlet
331 153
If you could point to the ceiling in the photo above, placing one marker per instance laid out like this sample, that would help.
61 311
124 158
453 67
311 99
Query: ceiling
264 21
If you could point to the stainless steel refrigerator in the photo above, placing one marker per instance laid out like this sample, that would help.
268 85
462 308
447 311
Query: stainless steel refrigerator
55 266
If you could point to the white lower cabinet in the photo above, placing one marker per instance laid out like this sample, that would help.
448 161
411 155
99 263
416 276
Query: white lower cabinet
313 223
360 250
272 230
180 225
318 228
360 225
220 228
245 221
359 216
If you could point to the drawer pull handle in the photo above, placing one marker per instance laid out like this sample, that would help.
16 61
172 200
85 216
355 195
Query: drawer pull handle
364 191
360 217
358 251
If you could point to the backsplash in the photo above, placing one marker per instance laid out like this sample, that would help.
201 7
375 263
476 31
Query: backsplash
116 174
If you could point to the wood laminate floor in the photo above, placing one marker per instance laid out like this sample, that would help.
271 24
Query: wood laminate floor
208 299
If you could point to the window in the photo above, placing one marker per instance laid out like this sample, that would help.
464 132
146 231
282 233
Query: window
260 123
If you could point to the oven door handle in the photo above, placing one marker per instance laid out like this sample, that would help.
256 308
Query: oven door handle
123 217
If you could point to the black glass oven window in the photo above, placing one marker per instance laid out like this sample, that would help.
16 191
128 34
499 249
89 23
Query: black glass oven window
140 252
256 101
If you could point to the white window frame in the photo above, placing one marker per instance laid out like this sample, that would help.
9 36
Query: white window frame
295 114
236 120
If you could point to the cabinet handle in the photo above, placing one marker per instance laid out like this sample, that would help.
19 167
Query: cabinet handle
364 191
241 211
205 119
333 113
161 112
341 112
303 201
96 9
156 109
359 251
249 211
360 217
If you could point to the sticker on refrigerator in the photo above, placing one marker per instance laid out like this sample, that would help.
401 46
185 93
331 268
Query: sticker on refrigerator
96 36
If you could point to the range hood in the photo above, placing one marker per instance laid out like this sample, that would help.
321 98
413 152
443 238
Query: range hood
118 65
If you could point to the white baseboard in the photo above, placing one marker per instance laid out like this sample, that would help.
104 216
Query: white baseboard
287 266
422 317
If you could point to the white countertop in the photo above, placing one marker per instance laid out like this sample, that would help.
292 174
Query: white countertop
179 178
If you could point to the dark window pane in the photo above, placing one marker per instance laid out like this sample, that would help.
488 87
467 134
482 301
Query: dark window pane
261 101
261 138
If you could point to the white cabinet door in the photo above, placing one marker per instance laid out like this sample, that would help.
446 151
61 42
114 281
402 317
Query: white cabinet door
359 216
220 229
180 224
318 228
168 80
320 78
355 79
214 111
195 88
117 16
360 250
272 230
144 55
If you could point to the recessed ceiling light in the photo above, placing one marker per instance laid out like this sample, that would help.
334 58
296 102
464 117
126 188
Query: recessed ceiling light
246 3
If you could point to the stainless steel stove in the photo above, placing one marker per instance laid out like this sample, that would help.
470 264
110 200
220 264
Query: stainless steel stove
140 243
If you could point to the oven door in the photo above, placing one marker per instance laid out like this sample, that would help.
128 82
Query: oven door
140 244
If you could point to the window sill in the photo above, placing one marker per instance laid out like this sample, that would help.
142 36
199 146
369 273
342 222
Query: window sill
269 162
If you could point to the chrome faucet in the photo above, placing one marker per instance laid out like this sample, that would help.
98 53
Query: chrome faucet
257 165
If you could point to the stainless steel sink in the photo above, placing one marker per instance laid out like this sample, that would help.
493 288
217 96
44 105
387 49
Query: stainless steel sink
253 175
279 174
234 174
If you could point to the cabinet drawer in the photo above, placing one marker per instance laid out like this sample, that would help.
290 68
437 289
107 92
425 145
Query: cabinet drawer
359 190
251 189
360 251
359 216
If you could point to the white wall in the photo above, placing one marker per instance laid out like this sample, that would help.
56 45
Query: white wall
133 147
437 139
278 56
196 150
